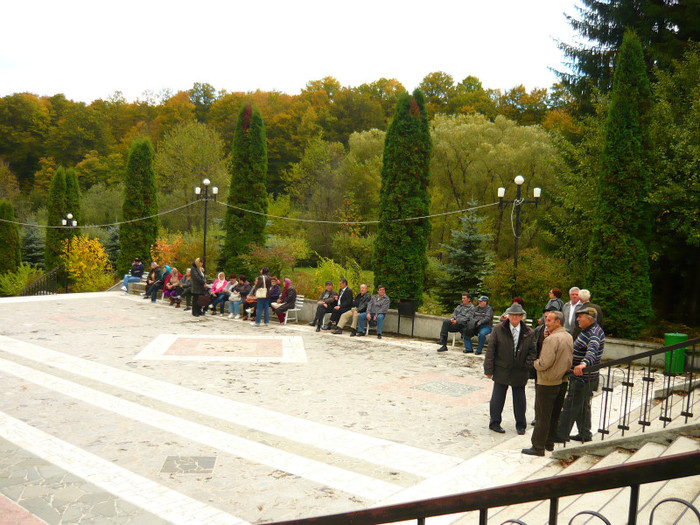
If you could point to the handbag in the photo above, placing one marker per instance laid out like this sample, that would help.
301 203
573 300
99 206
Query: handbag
204 300
251 299
261 293
235 296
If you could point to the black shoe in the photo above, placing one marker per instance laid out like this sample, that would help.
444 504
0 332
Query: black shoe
443 348
549 447
379 336
337 331
353 333
312 323
577 437
533 422
521 431
497 428
327 327
465 351
477 353
532 452
360 334
318 328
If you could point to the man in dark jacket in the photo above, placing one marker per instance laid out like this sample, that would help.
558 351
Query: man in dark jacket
359 305
324 305
509 358
343 303
462 321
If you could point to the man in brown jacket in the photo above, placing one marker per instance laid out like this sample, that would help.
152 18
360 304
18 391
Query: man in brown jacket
554 362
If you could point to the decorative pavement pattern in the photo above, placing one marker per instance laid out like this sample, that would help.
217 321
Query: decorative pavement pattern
116 411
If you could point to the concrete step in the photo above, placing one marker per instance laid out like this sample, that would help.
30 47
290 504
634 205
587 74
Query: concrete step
687 489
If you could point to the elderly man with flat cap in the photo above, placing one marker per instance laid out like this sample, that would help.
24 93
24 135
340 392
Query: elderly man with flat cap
509 358
483 315
588 349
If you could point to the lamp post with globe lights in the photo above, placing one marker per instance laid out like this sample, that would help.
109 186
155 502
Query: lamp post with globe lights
203 194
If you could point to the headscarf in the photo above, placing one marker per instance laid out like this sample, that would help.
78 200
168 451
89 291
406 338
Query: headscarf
287 285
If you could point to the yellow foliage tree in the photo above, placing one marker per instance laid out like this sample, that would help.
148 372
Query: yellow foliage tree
87 264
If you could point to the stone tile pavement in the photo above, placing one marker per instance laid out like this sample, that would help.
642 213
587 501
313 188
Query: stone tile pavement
115 410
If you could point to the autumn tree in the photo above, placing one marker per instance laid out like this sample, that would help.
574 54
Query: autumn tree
57 210
189 153
140 202
248 188
10 247
400 248
618 257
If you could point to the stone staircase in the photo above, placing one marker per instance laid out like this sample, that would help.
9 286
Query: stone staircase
641 442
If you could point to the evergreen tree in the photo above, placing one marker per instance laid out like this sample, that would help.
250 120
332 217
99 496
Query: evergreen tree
73 199
399 251
468 262
33 246
112 245
248 188
140 200
665 29
10 251
618 258
56 213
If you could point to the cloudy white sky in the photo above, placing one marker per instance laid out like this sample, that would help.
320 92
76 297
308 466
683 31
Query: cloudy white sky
90 49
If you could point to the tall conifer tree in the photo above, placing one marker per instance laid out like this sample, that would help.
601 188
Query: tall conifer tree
73 199
618 258
399 251
248 188
56 213
10 250
140 200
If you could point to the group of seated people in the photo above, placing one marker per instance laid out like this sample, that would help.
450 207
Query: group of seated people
235 294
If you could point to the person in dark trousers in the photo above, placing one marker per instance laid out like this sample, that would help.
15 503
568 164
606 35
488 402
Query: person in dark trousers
508 360
462 321
343 303
324 305
553 363
199 286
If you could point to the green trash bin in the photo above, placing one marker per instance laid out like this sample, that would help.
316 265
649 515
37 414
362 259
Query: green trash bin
678 355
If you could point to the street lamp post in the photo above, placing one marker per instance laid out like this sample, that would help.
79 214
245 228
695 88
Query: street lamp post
517 203
204 195
70 223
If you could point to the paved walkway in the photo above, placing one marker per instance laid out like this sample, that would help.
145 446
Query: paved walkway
114 410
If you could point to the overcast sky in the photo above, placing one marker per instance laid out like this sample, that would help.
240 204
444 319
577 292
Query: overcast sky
90 49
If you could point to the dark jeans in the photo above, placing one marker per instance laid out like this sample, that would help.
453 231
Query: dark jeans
498 399
577 409
549 400
449 326
220 300
152 291
335 314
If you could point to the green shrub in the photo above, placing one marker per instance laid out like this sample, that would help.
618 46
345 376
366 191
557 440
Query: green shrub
12 283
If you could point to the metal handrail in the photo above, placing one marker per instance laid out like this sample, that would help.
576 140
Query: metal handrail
624 475
44 285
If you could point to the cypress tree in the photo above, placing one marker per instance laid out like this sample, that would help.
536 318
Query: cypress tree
10 251
618 258
140 200
468 262
73 199
248 188
399 251
56 213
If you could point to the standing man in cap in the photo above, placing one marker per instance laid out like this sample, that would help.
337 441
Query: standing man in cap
461 321
552 365
483 314
588 349
585 296
324 305
508 361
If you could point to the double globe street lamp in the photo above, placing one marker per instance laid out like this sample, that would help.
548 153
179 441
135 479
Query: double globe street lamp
69 223
203 194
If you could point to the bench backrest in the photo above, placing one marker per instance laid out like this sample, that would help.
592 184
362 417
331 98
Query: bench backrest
298 305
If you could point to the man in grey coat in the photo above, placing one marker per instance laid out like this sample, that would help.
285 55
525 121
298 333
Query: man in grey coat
509 358
462 321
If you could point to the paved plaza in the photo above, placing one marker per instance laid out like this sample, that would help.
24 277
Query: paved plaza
114 410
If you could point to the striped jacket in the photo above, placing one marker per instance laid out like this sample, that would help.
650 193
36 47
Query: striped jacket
588 348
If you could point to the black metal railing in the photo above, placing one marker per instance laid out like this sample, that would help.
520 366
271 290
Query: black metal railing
631 475
628 386
47 284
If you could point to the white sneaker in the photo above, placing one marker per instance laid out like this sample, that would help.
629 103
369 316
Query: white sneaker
238 316
124 288
230 316
252 323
